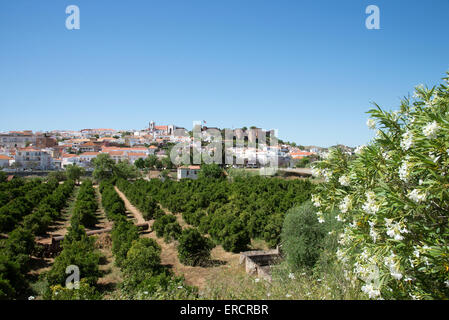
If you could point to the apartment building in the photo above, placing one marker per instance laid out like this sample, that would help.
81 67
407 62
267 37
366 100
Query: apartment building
34 159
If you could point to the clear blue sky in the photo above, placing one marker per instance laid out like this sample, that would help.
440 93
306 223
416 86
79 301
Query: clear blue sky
307 68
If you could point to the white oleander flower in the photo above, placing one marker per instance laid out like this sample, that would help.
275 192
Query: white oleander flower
431 129
344 181
394 230
371 290
371 123
316 201
404 171
370 206
417 196
407 140
359 149
345 204
341 255
416 252
390 262
373 234
327 174
395 115
316 172
386 156
434 157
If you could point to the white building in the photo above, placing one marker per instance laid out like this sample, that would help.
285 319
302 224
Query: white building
17 139
31 158
5 161
70 159
188 172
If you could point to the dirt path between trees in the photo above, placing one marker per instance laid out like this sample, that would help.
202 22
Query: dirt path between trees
196 276
137 214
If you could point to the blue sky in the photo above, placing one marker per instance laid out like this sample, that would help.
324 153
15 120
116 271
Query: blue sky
307 68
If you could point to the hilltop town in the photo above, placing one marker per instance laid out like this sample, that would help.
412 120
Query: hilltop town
22 151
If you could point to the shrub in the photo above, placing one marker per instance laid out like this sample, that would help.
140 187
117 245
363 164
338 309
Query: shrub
85 292
302 237
142 261
12 281
160 224
172 231
123 234
86 205
81 254
193 248
18 247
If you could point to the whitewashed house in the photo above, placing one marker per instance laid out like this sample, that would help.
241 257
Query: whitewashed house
188 172
31 158
4 161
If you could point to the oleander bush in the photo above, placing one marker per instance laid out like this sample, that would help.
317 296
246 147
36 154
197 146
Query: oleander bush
393 200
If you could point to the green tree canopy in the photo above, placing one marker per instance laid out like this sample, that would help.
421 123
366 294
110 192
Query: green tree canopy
74 172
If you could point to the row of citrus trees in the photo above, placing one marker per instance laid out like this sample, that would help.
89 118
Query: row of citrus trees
77 250
231 212
139 258
33 215
193 248
23 200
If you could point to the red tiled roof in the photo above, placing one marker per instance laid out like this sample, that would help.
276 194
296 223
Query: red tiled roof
143 155
90 154
116 153
68 155
302 153
3 157
88 144
191 167
29 149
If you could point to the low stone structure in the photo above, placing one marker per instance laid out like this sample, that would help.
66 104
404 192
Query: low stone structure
260 262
